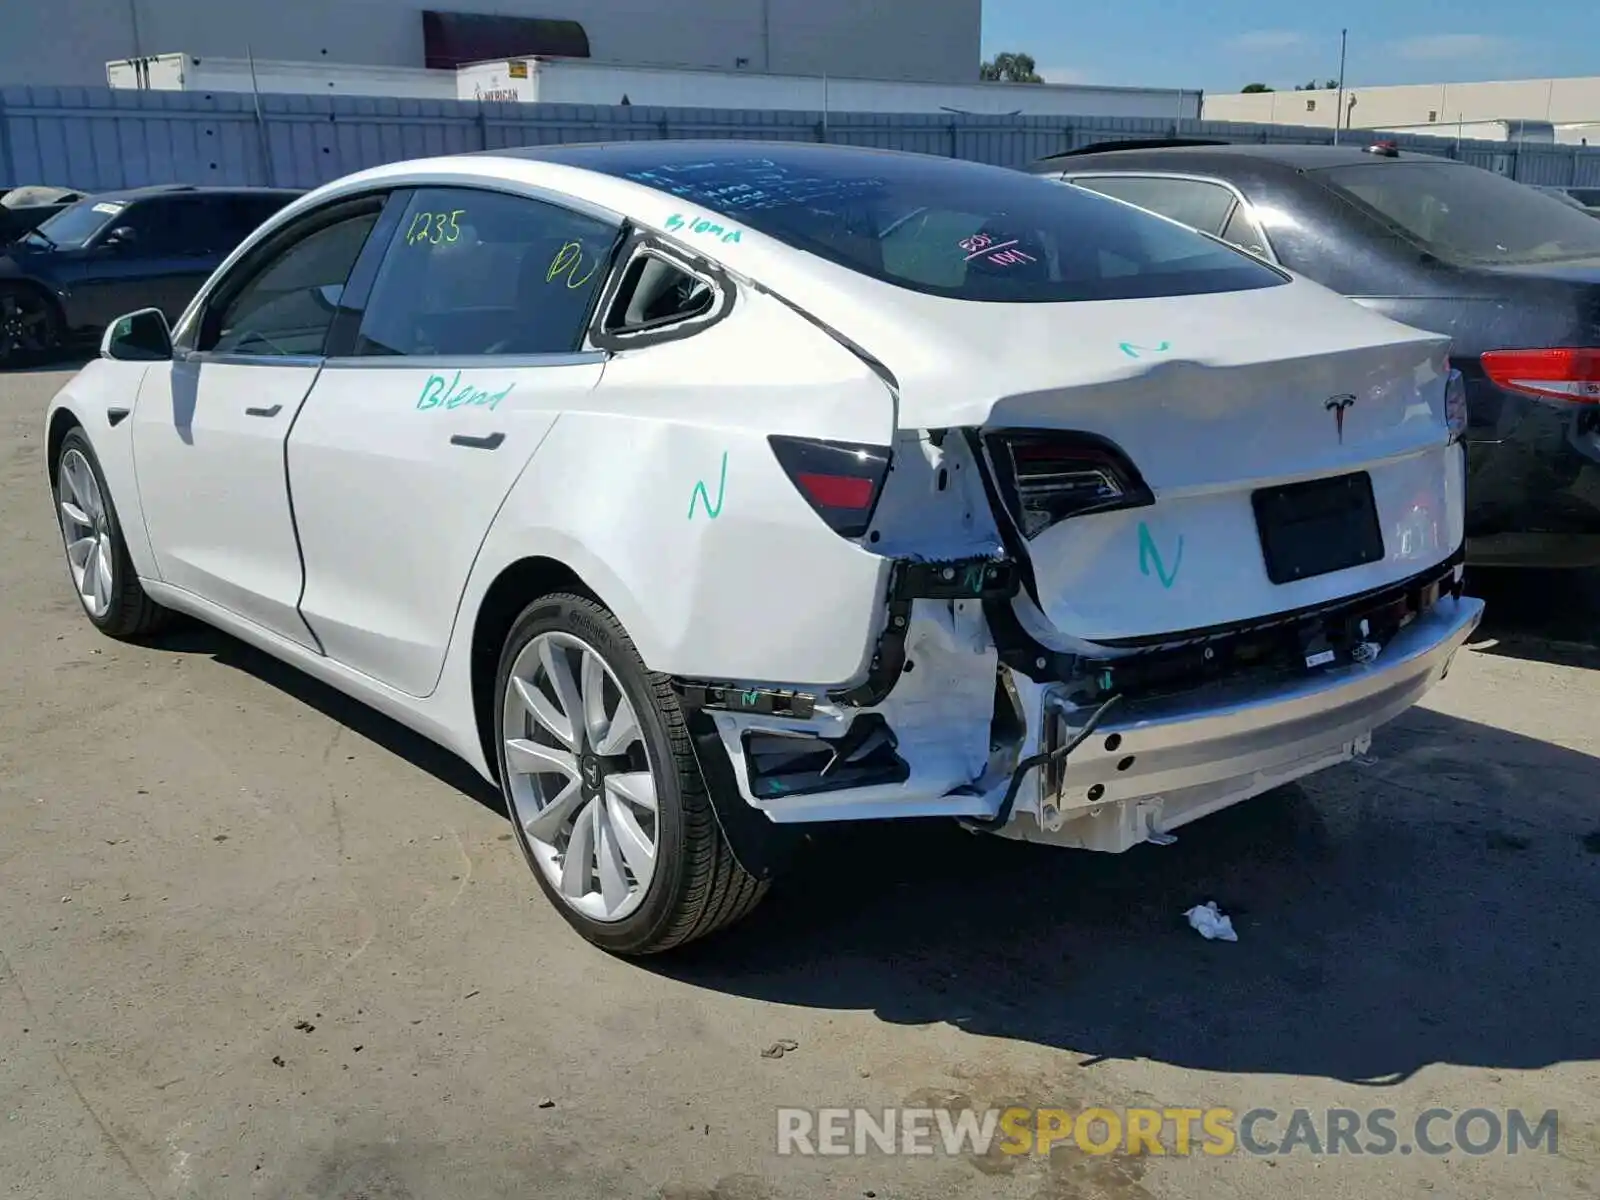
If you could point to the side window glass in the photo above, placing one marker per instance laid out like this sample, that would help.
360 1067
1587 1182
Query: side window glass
655 294
286 308
1243 232
475 272
171 225
147 219
241 216
1202 206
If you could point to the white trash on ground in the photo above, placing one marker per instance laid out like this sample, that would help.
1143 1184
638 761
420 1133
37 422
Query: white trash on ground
1211 923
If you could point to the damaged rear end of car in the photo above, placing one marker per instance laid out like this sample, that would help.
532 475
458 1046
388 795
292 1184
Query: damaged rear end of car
1161 527
1127 592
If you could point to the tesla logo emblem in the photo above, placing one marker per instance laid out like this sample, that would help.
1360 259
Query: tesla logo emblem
1336 405
591 772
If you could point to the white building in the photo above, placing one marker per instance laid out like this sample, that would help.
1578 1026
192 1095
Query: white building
69 42
1562 102
585 81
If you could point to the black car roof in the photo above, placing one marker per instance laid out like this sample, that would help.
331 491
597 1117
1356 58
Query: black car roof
129 195
1297 157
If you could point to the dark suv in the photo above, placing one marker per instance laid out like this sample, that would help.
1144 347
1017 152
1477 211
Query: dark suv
114 252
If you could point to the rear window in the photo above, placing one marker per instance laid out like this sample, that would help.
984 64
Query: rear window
1466 214
938 226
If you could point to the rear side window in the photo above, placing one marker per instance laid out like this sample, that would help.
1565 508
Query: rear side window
1466 214
1202 206
1242 231
242 215
473 272
938 226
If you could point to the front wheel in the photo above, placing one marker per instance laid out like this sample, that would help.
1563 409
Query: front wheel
603 788
97 555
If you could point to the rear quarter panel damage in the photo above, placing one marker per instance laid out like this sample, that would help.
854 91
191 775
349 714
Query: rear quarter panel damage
662 491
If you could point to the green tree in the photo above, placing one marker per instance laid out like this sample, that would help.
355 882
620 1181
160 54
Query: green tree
1010 68
1251 89
1326 85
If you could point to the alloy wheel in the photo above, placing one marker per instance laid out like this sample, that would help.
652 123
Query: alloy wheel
86 530
582 786
24 325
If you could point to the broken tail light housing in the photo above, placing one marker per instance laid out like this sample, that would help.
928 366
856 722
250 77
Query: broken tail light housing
1567 373
1045 478
840 480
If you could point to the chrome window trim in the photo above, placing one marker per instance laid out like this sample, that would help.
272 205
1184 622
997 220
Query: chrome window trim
232 358
451 362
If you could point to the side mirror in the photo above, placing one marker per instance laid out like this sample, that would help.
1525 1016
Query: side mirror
142 336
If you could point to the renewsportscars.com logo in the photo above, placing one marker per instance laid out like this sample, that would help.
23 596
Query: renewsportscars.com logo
1216 1132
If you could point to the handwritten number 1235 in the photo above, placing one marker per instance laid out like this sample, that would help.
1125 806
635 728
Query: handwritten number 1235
434 228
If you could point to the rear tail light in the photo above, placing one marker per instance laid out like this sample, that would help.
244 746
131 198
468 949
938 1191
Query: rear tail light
841 480
1455 405
1045 478
1563 374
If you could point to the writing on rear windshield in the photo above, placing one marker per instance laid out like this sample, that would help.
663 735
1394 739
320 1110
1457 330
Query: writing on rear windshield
1002 253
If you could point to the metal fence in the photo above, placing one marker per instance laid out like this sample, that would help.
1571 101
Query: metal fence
98 138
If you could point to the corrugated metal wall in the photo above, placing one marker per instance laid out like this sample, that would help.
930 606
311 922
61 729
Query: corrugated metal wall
96 138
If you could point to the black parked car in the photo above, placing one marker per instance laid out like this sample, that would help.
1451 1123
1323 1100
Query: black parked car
113 252
1511 274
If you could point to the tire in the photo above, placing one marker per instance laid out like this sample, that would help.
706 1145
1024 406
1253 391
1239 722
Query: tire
128 613
694 885
30 325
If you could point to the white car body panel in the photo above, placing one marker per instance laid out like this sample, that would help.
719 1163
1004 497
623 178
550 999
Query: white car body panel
102 396
698 412
384 601
208 446
647 474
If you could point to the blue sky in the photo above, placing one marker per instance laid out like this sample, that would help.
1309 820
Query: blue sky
1170 43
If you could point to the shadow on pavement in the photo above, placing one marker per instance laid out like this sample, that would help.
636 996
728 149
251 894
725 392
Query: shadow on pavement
1542 616
1436 907
191 637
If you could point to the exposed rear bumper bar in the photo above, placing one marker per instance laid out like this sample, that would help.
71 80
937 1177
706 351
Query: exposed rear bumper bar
1207 749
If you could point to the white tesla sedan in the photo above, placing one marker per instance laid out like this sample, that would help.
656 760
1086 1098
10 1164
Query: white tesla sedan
699 491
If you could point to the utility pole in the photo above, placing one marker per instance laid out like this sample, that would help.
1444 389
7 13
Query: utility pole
1338 114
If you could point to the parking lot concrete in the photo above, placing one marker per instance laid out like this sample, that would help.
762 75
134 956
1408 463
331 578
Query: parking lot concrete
259 942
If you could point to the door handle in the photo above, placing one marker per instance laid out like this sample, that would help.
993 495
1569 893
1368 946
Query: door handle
264 412
489 442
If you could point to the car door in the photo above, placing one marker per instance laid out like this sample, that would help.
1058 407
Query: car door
1204 204
154 254
449 371
209 428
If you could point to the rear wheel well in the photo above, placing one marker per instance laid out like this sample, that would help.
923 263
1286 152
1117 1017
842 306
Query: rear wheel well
61 424
512 591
